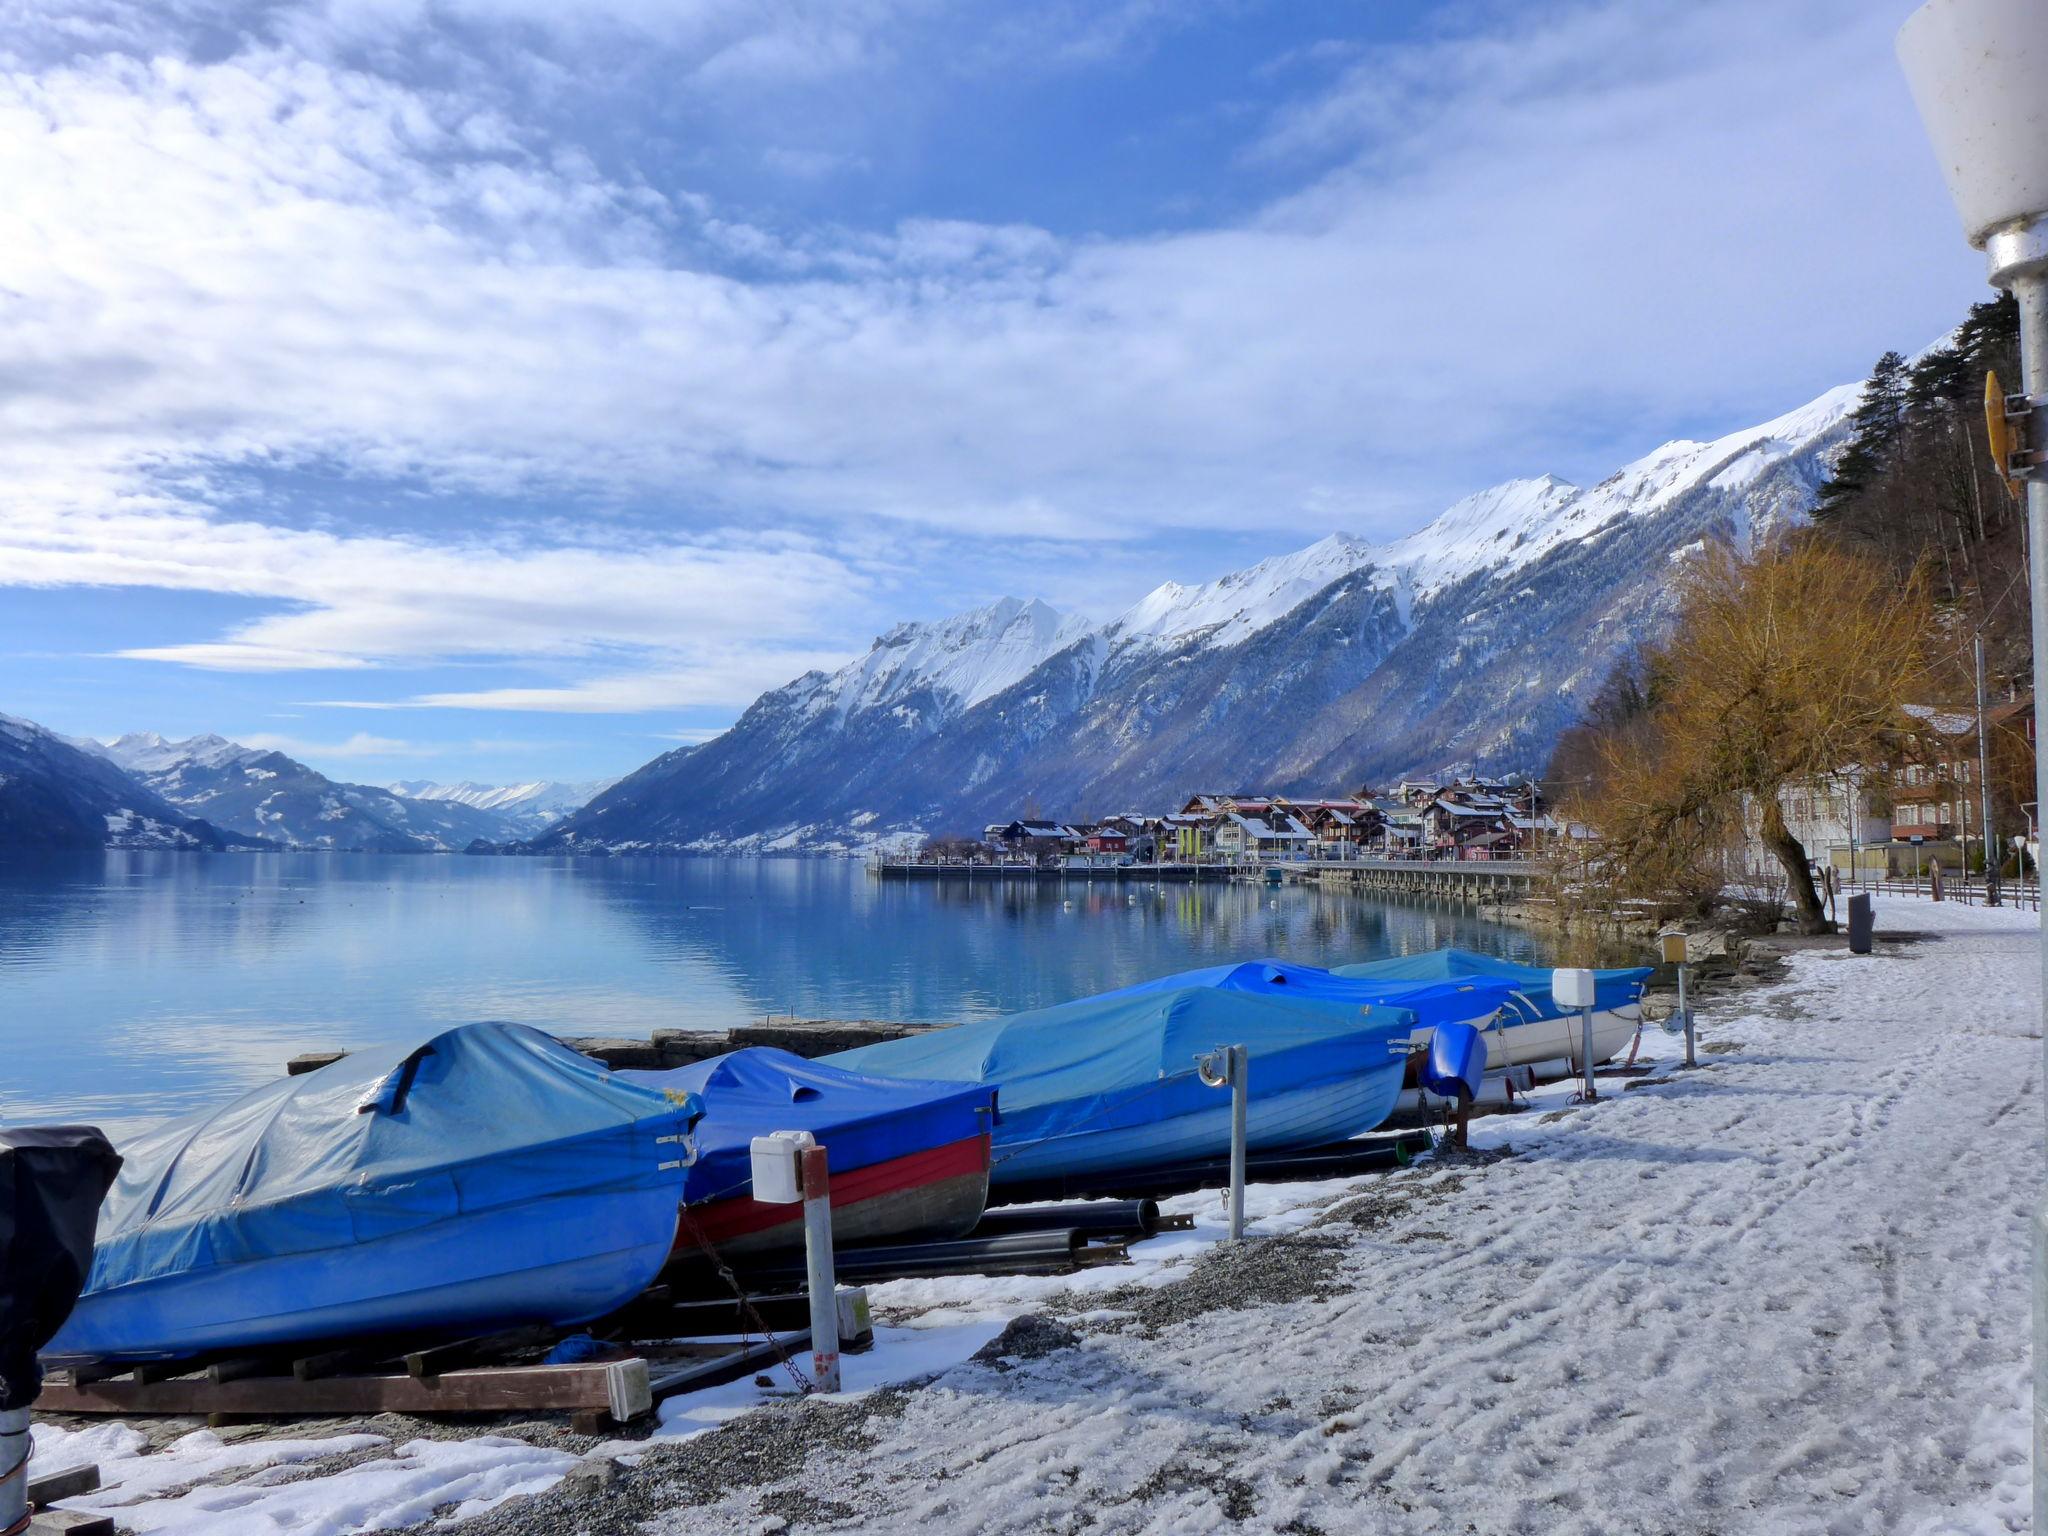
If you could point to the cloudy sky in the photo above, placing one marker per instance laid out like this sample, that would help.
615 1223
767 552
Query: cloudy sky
511 388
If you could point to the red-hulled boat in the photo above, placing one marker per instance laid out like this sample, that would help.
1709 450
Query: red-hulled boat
909 1159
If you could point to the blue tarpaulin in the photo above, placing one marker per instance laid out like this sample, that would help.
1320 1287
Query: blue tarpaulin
1433 1000
1320 1070
1529 985
861 1120
490 1171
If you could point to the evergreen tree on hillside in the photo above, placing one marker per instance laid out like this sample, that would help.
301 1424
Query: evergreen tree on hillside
1873 434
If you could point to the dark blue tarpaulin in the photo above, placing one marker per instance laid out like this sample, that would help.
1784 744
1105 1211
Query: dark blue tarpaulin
860 1120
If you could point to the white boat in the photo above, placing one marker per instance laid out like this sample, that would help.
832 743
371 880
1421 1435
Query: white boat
1530 1030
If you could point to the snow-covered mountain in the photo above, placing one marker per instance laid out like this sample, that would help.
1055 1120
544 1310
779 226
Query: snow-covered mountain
1474 638
56 792
524 808
266 794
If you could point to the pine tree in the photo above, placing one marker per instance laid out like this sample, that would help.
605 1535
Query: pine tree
1873 434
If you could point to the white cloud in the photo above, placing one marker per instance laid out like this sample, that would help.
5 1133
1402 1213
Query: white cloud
358 745
1567 231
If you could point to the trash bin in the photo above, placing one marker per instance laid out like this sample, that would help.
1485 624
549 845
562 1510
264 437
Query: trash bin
1860 923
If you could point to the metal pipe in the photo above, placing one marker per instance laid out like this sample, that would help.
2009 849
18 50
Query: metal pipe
2030 287
1240 1095
1984 788
819 1274
1327 1162
1685 1013
1592 1089
1135 1218
14 1453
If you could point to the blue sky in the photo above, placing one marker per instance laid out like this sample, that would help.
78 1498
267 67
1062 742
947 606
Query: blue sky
503 389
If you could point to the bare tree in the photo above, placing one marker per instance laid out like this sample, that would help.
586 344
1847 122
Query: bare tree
1782 670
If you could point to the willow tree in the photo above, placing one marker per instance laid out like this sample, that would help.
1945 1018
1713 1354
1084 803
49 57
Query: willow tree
1782 670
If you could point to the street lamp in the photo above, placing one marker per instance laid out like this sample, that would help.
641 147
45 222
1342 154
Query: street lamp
1979 74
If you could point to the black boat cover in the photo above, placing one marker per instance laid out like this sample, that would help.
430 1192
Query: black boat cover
52 1180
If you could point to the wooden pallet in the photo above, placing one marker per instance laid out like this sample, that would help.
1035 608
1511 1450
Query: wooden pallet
619 1388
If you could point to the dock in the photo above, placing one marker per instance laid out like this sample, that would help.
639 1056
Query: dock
1141 874
1472 880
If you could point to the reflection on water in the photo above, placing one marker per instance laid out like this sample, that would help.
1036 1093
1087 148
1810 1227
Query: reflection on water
133 986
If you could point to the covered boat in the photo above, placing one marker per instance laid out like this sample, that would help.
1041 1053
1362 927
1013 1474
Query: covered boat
1470 1000
1532 1028
1109 1084
488 1178
907 1159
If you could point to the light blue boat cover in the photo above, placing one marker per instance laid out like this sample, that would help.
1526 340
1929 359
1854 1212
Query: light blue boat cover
1530 997
1433 1000
387 1140
858 1119
1127 1059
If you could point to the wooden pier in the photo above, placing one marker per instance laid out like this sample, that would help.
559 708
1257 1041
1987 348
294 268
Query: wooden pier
1137 874
1478 881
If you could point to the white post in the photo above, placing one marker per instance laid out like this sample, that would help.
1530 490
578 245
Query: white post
14 1451
818 1269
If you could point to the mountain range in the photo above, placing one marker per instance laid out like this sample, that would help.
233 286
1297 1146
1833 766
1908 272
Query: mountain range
206 792
1477 638
57 792
521 809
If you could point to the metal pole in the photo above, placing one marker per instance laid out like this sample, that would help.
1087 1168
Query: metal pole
1685 1013
2031 289
1240 1098
1984 787
14 1453
819 1272
1592 1093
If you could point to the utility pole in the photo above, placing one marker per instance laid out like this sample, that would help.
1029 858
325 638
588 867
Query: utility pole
1984 786
1978 70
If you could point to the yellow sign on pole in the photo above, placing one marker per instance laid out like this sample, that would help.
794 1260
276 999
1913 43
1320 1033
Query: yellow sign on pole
2000 432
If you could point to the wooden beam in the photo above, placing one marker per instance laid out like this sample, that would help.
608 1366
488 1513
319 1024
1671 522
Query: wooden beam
619 1386
68 1522
68 1484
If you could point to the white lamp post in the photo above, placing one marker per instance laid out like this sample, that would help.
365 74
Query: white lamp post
1979 73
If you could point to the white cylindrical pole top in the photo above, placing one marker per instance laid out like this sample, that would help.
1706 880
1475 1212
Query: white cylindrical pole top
1979 74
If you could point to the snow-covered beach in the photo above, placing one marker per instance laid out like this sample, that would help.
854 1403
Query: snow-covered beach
1784 1293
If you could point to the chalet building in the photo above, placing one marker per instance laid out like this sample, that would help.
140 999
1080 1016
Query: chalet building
1037 840
1271 834
1107 838
1343 829
1187 837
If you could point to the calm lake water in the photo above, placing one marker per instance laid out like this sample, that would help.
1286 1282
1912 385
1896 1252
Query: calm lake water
136 986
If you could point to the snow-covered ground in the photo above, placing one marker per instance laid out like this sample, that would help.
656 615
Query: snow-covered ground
1785 1293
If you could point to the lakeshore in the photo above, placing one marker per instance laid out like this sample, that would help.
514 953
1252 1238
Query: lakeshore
1783 1291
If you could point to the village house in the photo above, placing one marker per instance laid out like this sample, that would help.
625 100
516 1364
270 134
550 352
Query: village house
1341 828
1268 834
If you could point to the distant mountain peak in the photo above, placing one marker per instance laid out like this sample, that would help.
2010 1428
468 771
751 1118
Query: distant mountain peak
966 657
1233 607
